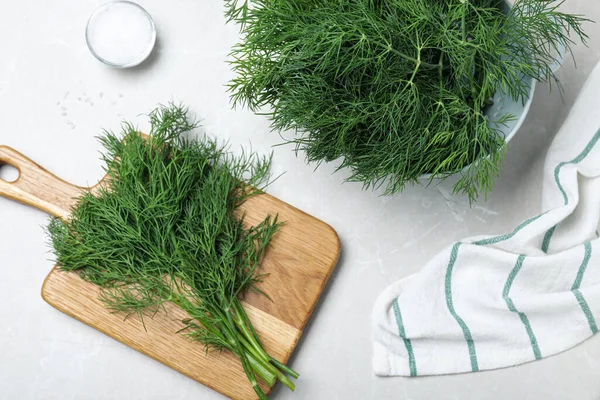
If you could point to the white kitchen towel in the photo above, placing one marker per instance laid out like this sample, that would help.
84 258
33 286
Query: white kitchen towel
497 301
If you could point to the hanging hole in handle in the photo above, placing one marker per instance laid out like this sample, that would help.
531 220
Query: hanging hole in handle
9 173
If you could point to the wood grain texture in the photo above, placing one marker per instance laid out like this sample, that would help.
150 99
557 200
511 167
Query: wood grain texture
299 262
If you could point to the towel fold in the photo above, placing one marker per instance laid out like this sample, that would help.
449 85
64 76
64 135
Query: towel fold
497 301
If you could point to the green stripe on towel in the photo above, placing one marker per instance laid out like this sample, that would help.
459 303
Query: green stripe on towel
547 238
575 289
583 266
501 238
576 160
407 343
511 307
450 304
586 310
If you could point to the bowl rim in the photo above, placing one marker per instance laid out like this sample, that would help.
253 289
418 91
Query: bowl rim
526 108
143 56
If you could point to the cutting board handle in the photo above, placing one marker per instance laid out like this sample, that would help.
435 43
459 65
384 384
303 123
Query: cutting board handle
37 187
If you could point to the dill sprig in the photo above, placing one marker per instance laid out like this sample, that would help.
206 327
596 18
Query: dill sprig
166 228
396 88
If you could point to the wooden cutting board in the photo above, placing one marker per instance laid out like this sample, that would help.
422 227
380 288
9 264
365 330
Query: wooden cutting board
302 256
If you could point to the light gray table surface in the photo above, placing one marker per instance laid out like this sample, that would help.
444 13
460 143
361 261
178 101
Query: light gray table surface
55 98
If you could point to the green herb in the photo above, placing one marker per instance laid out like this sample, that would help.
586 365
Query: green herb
395 88
168 228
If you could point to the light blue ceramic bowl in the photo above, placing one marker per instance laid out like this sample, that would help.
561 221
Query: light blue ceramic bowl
503 105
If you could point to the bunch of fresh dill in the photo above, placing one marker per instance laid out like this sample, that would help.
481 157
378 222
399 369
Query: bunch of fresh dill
395 88
165 228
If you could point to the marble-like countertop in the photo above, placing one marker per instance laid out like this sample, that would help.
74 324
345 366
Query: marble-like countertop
55 98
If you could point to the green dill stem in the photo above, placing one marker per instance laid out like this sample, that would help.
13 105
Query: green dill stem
258 390
268 376
463 22
266 373
412 78
248 340
284 368
264 360
253 338
241 343
285 380
241 324
264 369
417 61
245 363
251 350
248 369
239 309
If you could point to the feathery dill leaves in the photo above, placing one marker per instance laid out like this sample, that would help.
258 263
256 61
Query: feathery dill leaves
395 88
165 228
